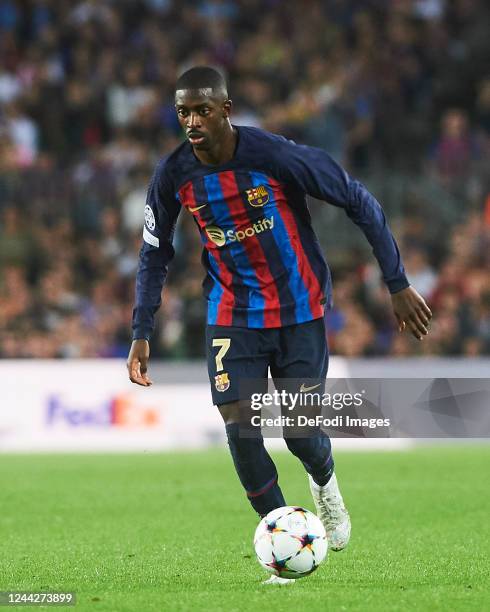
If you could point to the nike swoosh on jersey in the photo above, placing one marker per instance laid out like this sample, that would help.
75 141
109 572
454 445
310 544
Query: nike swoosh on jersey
303 389
197 207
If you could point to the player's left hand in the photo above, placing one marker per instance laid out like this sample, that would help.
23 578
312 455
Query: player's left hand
411 312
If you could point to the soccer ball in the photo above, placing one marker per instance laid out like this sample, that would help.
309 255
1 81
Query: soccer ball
290 542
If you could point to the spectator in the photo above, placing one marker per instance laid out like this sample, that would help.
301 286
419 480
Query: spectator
456 149
23 134
419 272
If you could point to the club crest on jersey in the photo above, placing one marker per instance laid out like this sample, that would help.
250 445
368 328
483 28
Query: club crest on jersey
222 382
149 218
257 196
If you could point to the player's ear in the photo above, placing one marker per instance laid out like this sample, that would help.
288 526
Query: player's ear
227 104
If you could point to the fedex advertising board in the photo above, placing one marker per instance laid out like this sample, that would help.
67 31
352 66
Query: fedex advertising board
91 405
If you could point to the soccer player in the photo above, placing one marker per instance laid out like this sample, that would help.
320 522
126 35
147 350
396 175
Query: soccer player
267 284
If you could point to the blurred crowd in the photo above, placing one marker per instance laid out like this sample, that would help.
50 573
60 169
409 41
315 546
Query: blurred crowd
398 91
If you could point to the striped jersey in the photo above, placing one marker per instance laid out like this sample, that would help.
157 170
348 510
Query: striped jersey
264 266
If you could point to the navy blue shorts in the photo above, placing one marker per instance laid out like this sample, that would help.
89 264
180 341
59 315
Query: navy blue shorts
235 354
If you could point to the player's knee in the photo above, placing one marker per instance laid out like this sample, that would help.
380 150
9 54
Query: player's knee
235 412
244 450
244 441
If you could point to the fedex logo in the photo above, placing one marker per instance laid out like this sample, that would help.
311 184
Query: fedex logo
119 411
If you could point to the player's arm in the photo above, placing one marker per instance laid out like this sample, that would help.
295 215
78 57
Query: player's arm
321 177
161 212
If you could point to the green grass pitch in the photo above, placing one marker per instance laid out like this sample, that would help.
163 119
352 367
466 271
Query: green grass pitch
173 532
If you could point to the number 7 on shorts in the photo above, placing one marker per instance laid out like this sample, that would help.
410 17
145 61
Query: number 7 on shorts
224 344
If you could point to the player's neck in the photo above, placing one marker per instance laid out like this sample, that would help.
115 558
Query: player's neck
222 152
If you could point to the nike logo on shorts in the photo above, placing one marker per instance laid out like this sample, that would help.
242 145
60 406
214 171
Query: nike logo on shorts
304 389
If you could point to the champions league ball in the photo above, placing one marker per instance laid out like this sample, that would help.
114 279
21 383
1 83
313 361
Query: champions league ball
290 542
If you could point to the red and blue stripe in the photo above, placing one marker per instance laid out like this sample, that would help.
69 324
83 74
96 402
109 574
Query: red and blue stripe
303 282
258 259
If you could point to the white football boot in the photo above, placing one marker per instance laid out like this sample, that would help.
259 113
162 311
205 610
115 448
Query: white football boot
332 512
278 580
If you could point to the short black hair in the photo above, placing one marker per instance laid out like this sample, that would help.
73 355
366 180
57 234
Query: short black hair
202 77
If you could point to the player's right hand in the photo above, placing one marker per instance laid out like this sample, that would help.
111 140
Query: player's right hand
138 363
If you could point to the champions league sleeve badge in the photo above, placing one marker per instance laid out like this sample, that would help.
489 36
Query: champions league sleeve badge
149 218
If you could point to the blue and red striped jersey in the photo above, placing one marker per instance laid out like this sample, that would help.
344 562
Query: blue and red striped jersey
264 266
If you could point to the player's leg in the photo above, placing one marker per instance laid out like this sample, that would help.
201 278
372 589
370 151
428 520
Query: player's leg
253 463
303 354
301 360
235 354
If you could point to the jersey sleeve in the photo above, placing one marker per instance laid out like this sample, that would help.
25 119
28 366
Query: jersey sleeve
160 216
314 172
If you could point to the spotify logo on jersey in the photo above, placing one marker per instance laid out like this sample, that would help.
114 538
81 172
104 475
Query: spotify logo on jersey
218 236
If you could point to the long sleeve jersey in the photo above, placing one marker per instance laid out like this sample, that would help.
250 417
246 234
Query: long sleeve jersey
264 266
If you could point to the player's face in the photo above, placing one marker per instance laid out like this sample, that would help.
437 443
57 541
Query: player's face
202 116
